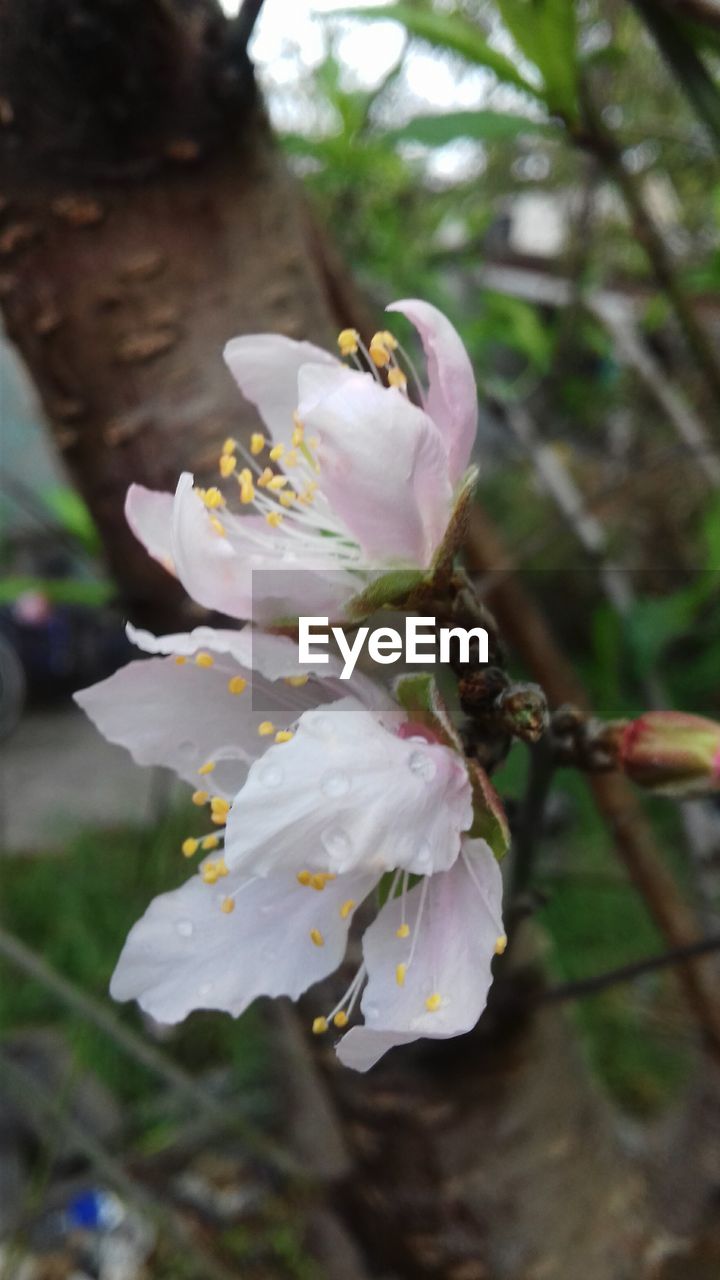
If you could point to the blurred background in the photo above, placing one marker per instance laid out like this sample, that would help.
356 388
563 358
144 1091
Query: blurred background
174 173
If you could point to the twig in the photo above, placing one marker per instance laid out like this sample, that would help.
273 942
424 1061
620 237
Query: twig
582 987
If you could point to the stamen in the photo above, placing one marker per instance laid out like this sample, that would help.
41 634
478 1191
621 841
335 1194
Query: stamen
346 908
320 879
204 660
317 938
189 847
229 446
212 498
433 1002
207 767
287 499
400 972
396 378
277 482
388 339
348 341
217 526
298 434
237 684
274 519
219 804
291 460
200 797
180 660
257 443
340 1019
210 842
304 877
283 735
267 727
379 353
276 452
227 464
500 944
265 477
247 488
296 682
319 1026
403 931
209 873
227 906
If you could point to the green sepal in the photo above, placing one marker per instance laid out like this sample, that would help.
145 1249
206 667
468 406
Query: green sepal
489 819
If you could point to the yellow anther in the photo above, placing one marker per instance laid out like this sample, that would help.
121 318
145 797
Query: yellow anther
396 378
388 338
298 434
291 459
257 443
203 659
219 804
209 873
500 944
207 767
317 938
227 906
189 847
433 1002
219 819
319 1026
210 842
247 488
319 880
200 797
212 498
348 342
263 479
217 527
237 684
287 498
379 353
274 518
277 483
403 931
283 735
221 867
304 877
346 908
340 1018
227 464
400 972
276 452
296 682
265 728
180 660
229 447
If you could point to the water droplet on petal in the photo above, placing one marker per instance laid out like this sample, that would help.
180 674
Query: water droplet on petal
335 784
270 776
337 844
422 765
185 928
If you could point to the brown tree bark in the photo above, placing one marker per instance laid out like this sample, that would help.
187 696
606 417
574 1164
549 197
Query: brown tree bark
146 217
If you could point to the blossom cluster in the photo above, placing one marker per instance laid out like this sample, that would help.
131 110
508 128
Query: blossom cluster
323 796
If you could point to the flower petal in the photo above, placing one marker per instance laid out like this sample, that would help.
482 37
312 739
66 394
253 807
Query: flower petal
265 367
346 793
456 938
383 465
186 953
149 512
452 393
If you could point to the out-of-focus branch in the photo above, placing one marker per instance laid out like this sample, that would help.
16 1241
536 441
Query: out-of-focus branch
600 982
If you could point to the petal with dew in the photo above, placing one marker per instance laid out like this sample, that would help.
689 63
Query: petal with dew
452 392
187 953
448 964
265 367
347 793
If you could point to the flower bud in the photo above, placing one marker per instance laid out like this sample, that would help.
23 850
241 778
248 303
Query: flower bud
672 753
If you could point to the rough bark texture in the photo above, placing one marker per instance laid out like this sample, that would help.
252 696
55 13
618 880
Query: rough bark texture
146 217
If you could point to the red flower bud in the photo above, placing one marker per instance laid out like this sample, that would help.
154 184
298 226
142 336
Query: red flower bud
672 753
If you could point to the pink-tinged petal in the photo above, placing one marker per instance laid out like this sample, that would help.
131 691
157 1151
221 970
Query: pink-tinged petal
448 964
186 953
265 367
383 465
150 516
452 393
346 793
208 564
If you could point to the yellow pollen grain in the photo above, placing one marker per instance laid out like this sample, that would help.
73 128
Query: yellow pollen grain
189 847
379 353
348 342
403 931
346 908
319 1026
277 482
257 443
340 1018
229 447
296 682
227 906
304 877
317 938
180 660
263 479
237 684
396 378
267 727
500 944
210 842
227 464
212 498
400 972
274 518
276 452
203 659
286 499
433 1002
200 797
207 767
283 735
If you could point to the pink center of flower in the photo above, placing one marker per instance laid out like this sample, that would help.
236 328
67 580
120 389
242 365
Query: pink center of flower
413 729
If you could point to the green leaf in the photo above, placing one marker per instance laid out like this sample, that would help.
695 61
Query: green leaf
485 126
545 31
393 588
453 32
